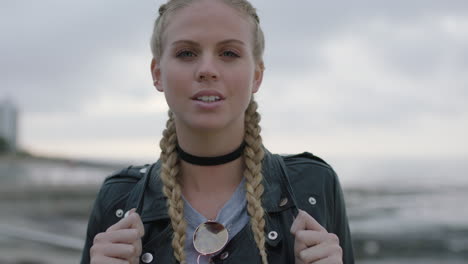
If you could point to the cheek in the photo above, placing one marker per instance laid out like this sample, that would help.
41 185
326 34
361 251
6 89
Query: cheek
175 79
241 78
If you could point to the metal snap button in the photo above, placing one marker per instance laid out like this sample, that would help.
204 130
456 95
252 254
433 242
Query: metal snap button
283 202
312 200
272 235
224 255
147 257
119 213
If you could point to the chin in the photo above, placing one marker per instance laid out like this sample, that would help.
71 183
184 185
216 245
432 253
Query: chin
210 124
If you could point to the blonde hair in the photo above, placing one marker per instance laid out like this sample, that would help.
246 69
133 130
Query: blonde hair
242 6
253 152
253 156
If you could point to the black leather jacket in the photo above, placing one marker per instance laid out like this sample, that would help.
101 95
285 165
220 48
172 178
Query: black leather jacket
299 181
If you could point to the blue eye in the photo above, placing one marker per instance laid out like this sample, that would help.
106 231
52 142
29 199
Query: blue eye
229 53
185 53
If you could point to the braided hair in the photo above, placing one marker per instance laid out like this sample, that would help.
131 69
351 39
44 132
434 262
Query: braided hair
253 152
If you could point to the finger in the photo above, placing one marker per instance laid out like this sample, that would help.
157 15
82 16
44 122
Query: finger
139 247
107 260
304 221
135 260
329 249
121 251
305 239
311 237
330 260
133 220
299 246
312 254
127 236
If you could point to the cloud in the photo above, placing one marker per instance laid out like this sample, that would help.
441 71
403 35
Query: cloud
340 75
379 73
57 55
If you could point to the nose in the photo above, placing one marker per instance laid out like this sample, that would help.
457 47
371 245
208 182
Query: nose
207 70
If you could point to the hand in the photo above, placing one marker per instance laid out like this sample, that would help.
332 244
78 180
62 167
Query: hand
313 244
121 243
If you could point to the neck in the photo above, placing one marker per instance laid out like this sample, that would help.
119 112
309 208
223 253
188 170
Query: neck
208 188
209 143
210 179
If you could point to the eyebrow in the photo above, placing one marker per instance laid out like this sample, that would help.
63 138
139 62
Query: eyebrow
190 42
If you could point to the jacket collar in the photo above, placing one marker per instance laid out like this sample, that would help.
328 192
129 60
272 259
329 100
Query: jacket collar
154 202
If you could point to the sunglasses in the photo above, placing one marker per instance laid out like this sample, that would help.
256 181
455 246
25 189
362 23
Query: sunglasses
209 238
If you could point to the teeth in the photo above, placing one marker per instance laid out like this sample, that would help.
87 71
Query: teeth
211 98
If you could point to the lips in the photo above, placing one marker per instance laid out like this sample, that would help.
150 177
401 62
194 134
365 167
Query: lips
208 96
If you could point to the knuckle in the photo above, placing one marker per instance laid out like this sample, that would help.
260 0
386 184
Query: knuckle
301 235
337 260
134 234
303 256
334 238
339 251
135 260
96 259
98 238
92 251
132 250
139 248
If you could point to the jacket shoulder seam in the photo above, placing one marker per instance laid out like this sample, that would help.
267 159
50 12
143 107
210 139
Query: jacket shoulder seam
129 174
306 158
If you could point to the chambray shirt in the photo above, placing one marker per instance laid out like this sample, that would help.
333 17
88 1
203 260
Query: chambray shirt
233 215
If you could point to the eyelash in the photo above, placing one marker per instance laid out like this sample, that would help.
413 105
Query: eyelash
185 53
181 53
233 54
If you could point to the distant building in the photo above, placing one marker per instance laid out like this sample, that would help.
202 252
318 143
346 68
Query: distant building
8 123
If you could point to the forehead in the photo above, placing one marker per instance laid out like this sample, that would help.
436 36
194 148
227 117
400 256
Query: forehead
208 20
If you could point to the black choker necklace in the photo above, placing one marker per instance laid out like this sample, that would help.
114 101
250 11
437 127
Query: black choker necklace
210 161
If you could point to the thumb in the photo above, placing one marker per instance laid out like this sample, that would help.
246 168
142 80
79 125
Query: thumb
133 210
304 221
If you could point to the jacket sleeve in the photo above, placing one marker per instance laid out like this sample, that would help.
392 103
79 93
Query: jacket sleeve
114 190
94 226
340 224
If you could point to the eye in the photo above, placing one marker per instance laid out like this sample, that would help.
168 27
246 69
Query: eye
229 53
185 53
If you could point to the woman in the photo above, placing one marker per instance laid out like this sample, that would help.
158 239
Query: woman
216 195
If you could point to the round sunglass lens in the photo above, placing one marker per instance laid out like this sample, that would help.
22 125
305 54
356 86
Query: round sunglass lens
209 238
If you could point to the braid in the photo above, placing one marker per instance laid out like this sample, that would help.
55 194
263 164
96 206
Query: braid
253 155
171 189
162 9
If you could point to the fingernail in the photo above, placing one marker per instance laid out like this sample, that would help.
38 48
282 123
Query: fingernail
129 212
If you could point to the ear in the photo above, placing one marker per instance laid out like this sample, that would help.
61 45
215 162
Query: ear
258 77
156 73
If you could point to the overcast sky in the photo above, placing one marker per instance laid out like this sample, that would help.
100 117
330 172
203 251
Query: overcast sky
343 78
